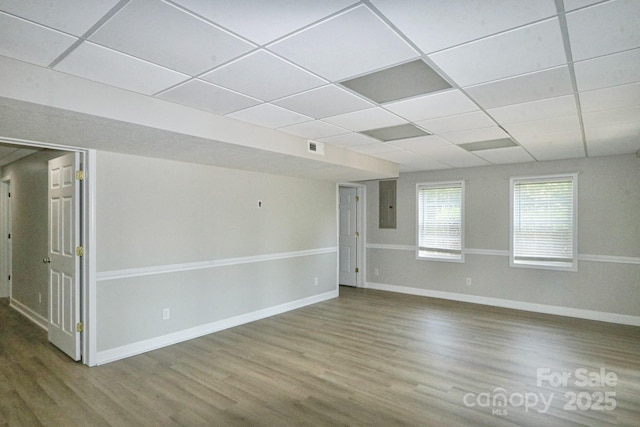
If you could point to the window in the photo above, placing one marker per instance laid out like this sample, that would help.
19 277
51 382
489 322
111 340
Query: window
543 222
440 221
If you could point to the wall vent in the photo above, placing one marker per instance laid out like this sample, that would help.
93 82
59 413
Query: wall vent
316 147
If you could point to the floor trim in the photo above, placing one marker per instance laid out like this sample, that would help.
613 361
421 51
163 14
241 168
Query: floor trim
29 314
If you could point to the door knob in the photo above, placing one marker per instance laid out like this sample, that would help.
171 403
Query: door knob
46 260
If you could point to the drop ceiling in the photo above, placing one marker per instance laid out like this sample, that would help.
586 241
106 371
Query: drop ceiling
559 79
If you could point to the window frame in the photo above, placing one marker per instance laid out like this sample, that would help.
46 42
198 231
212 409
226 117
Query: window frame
545 265
435 257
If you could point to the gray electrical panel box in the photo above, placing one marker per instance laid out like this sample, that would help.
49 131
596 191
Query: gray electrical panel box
387 199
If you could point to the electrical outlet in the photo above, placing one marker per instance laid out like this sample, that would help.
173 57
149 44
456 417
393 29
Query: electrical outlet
315 281
166 314
468 281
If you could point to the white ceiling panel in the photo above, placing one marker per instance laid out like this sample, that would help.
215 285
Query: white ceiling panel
603 29
323 102
535 110
71 16
612 117
263 75
432 106
265 21
208 97
31 42
371 118
376 149
163 34
270 116
528 87
106 66
555 147
611 70
613 139
457 123
429 23
418 164
524 50
570 5
505 155
430 144
347 45
549 126
610 98
315 129
352 139
475 135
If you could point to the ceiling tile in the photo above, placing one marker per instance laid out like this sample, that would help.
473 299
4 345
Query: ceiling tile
427 145
528 87
375 149
208 97
524 50
431 106
419 164
535 110
475 135
612 117
269 115
613 139
430 24
611 97
31 42
610 70
565 145
263 75
347 45
547 126
163 34
73 17
265 21
603 29
395 133
104 65
314 129
353 139
323 102
505 155
570 5
456 123
371 118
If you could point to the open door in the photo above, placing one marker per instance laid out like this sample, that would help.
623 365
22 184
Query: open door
348 236
64 254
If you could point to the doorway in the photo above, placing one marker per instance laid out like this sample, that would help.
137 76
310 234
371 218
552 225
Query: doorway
5 240
351 236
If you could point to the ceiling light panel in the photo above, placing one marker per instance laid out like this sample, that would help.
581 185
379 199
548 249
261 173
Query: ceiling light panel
475 135
471 19
505 155
323 102
73 17
524 50
439 104
491 144
603 29
610 98
597 73
394 133
349 44
31 42
535 110
270 116
528 87
399 82
163 34
365 119
208 97
265 21
458 122
263 75
315 129
106 66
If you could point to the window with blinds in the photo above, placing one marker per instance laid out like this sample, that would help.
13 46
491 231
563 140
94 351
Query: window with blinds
440 220
543 222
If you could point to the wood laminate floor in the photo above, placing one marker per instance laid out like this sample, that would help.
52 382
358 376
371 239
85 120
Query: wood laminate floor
365 358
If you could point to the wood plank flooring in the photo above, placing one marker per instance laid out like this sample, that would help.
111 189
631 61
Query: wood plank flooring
365 358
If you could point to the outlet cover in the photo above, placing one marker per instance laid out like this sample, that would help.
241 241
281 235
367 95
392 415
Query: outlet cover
166 314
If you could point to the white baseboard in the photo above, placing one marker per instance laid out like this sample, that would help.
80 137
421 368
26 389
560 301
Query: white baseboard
516 305
29 314
133 349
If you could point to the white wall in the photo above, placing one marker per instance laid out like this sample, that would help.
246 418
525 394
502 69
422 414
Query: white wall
608 279
193 239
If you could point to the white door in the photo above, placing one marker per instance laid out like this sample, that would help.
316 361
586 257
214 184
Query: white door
348 236
64 263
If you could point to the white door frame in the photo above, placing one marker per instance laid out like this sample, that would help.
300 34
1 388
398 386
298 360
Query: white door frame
5 229
88 232
361 222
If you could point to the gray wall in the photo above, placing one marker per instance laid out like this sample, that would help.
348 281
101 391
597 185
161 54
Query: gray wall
29 235
608 225
154 213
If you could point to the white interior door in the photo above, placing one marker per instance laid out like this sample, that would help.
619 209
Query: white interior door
64 263
348 236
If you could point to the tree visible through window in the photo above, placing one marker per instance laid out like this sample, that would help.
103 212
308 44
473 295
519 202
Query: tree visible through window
440 220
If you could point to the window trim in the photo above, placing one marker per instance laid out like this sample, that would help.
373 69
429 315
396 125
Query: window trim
542 265
461 258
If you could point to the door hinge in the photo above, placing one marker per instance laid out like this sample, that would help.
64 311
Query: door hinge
80 251
79 327
357 198
357 234
357 270
9 236
9 278
80 175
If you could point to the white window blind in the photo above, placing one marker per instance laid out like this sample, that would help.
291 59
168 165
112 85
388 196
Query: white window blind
440 220
544 221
